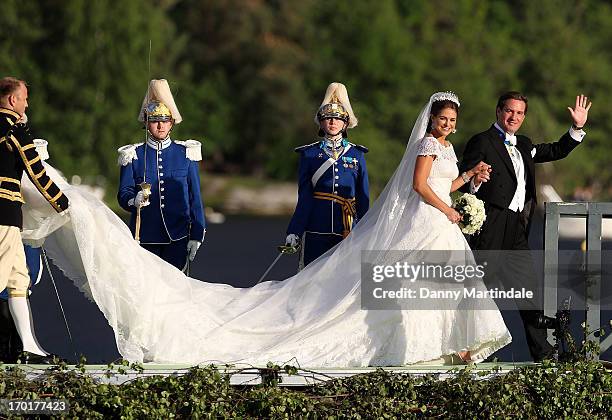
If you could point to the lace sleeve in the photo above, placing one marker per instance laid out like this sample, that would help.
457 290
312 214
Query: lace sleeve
428 147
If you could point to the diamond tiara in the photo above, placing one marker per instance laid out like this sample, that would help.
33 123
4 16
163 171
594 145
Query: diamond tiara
445 96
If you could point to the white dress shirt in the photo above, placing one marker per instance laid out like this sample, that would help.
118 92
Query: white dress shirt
518 200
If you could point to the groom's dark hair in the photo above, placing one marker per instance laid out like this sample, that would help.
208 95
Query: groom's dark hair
512 95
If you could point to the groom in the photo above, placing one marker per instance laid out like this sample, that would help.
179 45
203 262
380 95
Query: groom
509 194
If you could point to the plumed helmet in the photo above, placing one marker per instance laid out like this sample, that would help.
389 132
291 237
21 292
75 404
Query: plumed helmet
157 111
333 110
336 104
159 93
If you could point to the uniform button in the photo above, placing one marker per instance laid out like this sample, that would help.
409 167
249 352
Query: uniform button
336 169
337 177
161 174
162 206
162 189
335 163
160 159
160 167
161 182
335 185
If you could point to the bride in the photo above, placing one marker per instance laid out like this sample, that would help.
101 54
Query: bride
315 317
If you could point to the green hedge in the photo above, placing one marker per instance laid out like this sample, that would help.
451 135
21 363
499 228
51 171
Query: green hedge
551 390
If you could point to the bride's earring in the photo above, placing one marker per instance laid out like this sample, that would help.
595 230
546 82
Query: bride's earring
454 130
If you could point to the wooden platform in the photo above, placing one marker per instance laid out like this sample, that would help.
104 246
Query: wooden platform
254 376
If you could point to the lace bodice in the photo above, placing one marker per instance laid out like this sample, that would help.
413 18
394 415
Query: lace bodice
443 169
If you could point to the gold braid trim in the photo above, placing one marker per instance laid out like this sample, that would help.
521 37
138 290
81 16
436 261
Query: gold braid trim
34 177
12 180
40 174
57 196
11 195
33 161
349 210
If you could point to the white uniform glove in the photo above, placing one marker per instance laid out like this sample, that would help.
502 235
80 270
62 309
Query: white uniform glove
139 200
292 240
192 248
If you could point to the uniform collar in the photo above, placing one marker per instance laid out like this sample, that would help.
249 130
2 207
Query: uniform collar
159 145
334 144
12 115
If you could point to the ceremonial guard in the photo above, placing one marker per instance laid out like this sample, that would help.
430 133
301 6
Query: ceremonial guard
333 190
18 154
160 183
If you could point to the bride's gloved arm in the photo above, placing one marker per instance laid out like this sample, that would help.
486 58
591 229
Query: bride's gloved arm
420 185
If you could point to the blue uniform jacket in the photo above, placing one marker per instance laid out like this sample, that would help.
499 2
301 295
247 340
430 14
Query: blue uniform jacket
346 177
176 209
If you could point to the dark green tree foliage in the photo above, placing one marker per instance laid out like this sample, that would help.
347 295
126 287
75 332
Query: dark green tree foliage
248 75
246 59
87 67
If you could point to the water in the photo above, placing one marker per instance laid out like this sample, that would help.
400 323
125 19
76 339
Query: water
237 252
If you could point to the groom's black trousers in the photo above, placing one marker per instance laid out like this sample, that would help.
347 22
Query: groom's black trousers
506 230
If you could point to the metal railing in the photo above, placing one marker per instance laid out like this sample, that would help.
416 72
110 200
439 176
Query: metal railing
594 213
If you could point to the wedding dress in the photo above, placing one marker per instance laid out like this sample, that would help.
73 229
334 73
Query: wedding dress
314 318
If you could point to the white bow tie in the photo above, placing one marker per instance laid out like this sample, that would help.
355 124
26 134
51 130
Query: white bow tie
510 140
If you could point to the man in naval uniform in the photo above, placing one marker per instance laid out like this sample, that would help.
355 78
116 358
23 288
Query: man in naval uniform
172 223
333 189
10 343
18 154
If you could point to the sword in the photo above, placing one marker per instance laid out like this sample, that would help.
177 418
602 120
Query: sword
44 254
282 250
187 268
144 184
146 191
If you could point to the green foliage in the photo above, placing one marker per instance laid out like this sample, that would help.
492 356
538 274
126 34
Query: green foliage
248 76
551 390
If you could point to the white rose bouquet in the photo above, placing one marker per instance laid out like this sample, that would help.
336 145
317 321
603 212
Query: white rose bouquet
472 211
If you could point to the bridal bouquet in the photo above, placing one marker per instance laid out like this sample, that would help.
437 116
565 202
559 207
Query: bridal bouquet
473 212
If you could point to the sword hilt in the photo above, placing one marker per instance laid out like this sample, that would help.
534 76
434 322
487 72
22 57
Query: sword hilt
288 249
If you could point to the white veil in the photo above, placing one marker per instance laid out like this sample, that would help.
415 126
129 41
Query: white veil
158 314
